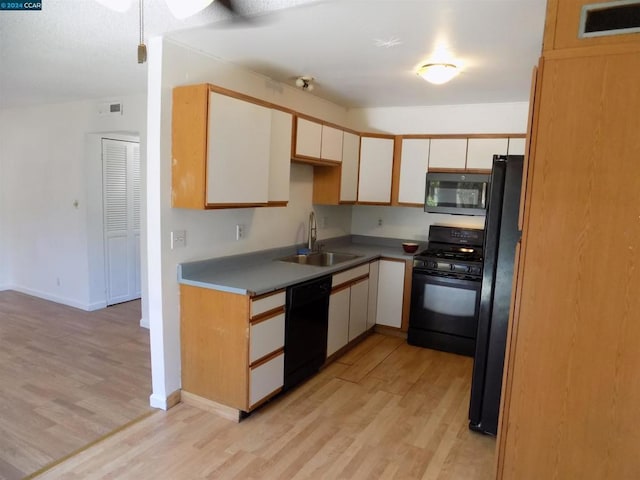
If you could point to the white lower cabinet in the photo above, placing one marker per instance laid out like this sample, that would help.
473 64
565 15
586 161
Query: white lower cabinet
348 307
266 378
372 301
338 329
266 337
358 308
390 293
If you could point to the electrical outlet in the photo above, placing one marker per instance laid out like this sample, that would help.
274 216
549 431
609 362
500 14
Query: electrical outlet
324 222
178 239
380 222
239 231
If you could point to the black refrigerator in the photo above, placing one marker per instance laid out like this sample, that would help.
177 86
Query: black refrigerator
500 238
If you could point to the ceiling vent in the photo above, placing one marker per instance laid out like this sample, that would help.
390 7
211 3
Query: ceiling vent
610 18
110 108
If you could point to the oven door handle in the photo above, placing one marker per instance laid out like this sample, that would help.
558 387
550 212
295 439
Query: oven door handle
444 280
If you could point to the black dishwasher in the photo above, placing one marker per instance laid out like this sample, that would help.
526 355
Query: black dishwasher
306 320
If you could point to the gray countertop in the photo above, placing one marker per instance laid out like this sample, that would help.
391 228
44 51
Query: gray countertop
257 273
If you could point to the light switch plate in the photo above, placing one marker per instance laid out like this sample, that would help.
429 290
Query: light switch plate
178 239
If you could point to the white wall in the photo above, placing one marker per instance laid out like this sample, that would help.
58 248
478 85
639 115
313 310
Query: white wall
45 170
211 233
4 256
413 223
477 118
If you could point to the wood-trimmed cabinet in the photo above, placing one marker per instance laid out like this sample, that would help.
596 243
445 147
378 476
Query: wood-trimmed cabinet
339 185
232 346
347 307
213 164
570 390
421 153
376 169
316 143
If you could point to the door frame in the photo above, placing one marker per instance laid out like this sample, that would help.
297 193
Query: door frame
95 216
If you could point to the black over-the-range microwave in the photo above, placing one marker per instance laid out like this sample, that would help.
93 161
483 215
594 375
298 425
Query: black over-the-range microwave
457 193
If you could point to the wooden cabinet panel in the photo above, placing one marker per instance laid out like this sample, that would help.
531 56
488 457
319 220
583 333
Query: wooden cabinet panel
237 169
338 329
308 138
413 169
214 329
280 156
390 293
448 153
480 152
358 308
349 171
376 167
266 337
266 379
574 388
331 145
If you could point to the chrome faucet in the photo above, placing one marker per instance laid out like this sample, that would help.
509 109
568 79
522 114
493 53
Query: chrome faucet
313 232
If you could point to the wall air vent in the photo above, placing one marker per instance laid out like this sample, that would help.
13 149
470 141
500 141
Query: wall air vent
609 18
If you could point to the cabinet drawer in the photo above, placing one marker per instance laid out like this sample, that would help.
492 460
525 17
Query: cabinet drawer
266 379
269 302
266 337
348 275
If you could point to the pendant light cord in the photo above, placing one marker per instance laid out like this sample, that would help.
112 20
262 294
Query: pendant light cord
141 22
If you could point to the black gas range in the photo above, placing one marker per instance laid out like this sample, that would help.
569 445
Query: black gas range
452 252
445 294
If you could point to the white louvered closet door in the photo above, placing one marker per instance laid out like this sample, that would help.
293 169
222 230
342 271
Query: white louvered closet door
121 191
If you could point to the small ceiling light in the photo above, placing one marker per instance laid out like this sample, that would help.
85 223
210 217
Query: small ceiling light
305 83
438 73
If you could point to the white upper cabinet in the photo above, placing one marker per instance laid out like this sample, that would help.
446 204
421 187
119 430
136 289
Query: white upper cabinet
516 146
413 169
448 153
349 173
315 141
280 156
237 169
480 152
308 138
376 169
331 144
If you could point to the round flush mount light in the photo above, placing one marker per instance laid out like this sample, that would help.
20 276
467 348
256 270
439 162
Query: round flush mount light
438 73
305 83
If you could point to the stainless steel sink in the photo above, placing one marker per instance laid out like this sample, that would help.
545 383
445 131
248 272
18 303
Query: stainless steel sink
320 259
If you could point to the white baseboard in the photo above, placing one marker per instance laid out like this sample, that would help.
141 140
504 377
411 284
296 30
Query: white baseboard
144 323
53 298
162 402
96 306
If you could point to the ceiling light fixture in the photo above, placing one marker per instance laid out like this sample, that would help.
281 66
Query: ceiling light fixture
304 83
438 73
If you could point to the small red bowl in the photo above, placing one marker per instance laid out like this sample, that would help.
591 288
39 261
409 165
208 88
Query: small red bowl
409 247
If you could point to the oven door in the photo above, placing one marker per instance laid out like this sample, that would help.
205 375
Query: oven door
444 312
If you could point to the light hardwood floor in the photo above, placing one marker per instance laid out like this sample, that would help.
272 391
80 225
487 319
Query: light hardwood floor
67 378
384 410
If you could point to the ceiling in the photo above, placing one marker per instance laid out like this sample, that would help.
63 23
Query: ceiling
362 53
